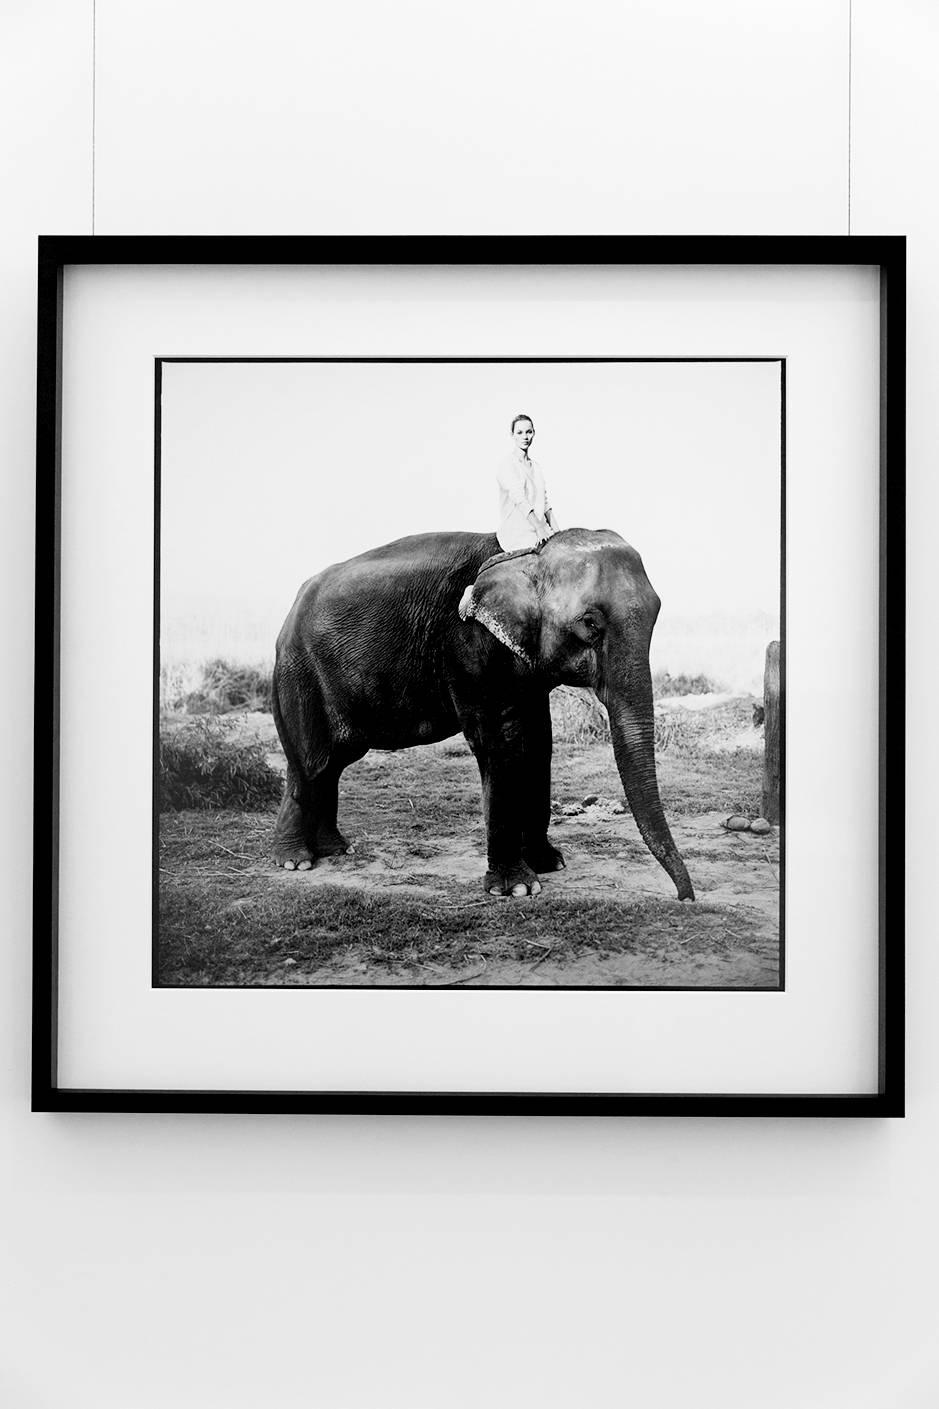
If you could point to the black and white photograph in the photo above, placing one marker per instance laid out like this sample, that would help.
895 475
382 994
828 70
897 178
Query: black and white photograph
470 672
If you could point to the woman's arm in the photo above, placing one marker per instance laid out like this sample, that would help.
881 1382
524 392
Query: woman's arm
548 511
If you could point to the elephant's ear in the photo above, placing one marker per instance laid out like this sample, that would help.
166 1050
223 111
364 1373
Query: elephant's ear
504 600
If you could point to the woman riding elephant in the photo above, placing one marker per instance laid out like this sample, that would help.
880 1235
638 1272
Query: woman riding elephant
403 645
525 516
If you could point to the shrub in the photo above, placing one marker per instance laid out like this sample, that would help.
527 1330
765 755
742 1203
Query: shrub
665 685
202 765
227 686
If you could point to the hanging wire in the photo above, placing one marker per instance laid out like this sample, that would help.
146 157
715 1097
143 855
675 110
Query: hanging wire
94 102
850 35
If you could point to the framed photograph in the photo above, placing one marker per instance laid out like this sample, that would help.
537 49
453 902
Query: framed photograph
469 675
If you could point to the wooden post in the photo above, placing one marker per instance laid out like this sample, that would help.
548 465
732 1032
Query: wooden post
771 734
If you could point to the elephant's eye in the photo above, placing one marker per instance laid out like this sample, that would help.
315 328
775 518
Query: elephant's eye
592 625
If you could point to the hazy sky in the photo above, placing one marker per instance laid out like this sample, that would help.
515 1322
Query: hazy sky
272 470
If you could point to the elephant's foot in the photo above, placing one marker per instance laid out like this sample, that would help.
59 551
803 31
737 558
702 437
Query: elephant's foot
512 880
332 843
293 856
543 857
291 830
297 863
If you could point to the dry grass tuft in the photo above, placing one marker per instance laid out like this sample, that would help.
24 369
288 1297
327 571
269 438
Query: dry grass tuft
216 686
577 716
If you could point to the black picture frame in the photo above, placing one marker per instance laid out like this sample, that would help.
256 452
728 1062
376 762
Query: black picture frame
887 253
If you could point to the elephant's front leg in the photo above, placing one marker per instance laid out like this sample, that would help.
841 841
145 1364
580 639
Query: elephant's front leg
539 853
497 740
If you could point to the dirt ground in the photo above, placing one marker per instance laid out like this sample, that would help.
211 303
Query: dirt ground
733 872
407 906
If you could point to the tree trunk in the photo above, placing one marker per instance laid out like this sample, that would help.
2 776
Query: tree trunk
771 720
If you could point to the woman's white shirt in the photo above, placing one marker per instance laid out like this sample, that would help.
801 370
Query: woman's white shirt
521 493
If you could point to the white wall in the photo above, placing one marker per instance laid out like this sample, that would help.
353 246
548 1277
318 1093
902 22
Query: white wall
337 1262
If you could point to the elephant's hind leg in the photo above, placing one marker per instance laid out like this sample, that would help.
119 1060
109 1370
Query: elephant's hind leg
327 838
291 847
306 824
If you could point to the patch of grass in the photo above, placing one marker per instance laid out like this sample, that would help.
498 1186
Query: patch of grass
203 766
732 783
200 943
281 932
418 794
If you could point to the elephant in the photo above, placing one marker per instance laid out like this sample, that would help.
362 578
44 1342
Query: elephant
417 640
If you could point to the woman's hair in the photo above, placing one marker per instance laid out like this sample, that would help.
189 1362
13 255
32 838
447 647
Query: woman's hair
520 417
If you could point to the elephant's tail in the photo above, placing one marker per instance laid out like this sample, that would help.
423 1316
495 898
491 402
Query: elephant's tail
282 731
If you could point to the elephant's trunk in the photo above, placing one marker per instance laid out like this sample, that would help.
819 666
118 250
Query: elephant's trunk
632 726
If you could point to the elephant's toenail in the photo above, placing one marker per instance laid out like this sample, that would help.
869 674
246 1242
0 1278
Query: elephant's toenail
290 865
520 889
304 865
